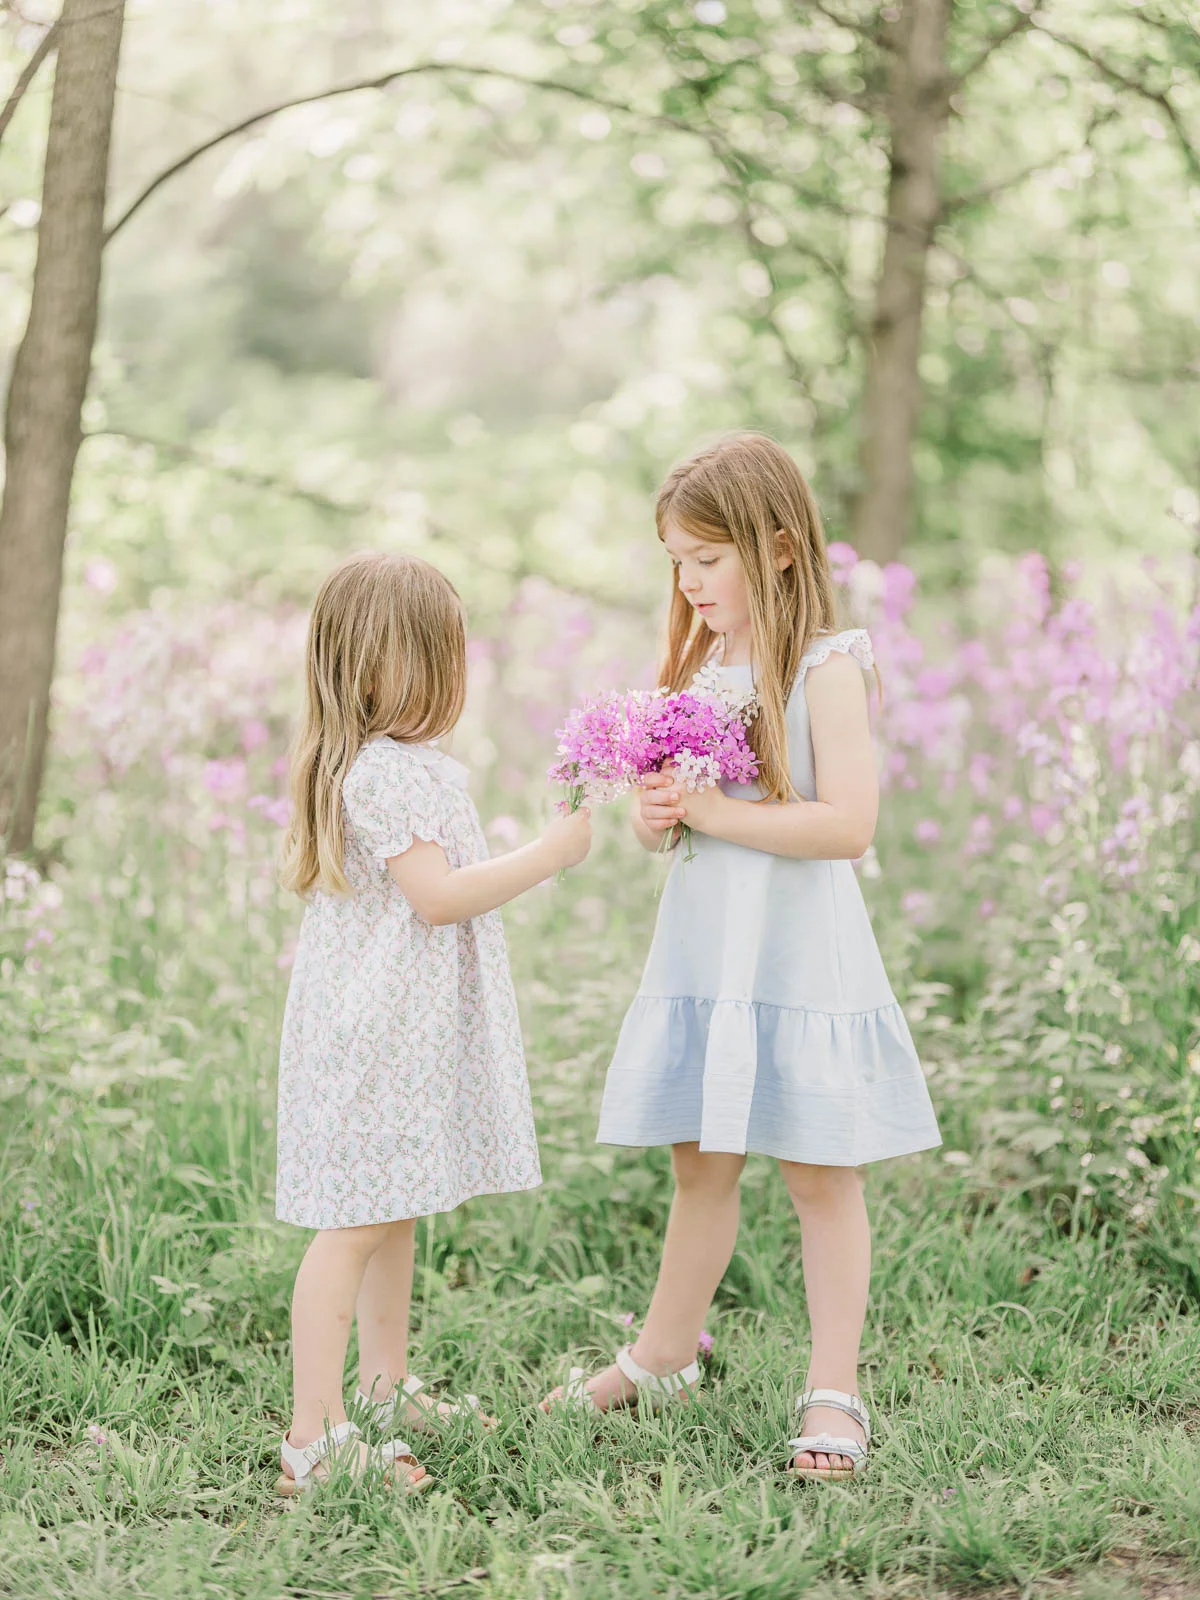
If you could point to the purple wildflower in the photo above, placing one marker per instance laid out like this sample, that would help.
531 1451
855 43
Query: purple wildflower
613 740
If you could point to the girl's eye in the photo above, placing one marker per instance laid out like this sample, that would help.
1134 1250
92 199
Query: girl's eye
711 562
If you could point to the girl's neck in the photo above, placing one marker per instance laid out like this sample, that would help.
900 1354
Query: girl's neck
736 649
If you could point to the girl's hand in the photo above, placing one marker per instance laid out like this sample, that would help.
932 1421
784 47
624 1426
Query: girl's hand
702 809
659 800
568 839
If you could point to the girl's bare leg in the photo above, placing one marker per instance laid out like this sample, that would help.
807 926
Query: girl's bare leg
835 1240
701 1233
384 1301
327 1287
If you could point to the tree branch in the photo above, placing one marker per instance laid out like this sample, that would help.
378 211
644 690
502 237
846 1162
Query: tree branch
958 202
383 82
858 25
1114 75
266 483
44 46
1018 25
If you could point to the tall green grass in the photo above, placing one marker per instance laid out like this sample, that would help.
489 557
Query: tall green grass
1032 1355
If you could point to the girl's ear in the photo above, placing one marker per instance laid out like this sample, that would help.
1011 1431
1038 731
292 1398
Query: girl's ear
783 554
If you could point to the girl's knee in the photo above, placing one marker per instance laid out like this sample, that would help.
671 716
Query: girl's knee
811 1185
708 1171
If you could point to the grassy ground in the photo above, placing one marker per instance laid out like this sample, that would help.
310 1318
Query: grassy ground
1035 1376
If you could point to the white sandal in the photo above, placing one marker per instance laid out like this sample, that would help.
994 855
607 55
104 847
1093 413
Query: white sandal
827 1444
653 1390
303 1458
330 1446
421 1419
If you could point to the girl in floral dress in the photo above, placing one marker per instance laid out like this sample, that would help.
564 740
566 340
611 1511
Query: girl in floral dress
402 1087
765 1021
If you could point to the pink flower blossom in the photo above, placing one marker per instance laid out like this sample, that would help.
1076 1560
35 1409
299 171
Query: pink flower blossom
917 906
225 780
927 831
100 575
276 809
980 834
705 1342
505 830
254 734
1041 819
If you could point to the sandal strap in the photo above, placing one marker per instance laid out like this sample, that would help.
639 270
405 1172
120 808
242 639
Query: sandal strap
668 1384
384 1410
303 1458
396 1450
573 1390
837 1400
828 1444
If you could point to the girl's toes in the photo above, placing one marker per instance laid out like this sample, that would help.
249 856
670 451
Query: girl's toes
408 1472
804 1462
555 1394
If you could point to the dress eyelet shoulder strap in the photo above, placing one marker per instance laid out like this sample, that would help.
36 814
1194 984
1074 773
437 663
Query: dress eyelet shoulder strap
854 642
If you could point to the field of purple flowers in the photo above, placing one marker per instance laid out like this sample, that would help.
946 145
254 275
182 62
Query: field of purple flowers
1033 877
1033 886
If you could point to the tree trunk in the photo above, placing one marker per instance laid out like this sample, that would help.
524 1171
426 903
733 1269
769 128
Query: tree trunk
45 396
892 387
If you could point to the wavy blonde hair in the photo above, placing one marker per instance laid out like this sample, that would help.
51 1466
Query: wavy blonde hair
747 491
386 654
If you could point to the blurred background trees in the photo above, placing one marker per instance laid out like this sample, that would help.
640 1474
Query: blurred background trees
947 253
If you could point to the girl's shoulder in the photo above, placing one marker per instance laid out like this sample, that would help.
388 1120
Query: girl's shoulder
377 756
853 642
392 761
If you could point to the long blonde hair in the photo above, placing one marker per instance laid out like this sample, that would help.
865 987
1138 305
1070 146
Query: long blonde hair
747 491
386 654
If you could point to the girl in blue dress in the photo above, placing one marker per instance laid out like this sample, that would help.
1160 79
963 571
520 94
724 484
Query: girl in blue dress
765 1021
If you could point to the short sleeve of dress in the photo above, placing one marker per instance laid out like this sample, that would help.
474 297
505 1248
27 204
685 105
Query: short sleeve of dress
854 642
390 799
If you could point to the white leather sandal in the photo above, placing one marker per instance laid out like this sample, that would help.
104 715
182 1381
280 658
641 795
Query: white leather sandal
828 1444
421 1419
331 1447
654 1390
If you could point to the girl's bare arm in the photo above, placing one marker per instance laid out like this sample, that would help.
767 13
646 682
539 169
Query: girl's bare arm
441 895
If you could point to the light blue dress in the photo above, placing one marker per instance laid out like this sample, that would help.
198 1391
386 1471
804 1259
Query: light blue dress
765 1021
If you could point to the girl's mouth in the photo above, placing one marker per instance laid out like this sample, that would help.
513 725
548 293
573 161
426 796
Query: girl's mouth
706 605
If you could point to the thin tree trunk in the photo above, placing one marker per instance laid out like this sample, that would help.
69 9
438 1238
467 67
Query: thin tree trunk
45 396
892 389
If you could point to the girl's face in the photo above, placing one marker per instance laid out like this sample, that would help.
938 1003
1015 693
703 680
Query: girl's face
711 579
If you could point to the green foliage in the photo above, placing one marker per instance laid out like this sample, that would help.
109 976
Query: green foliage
468 304
1031 1353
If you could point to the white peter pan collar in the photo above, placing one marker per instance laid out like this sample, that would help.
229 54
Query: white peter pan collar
440 764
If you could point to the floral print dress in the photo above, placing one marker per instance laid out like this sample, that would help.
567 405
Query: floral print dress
402 1086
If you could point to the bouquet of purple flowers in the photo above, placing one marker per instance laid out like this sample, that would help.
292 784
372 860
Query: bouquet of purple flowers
612 741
